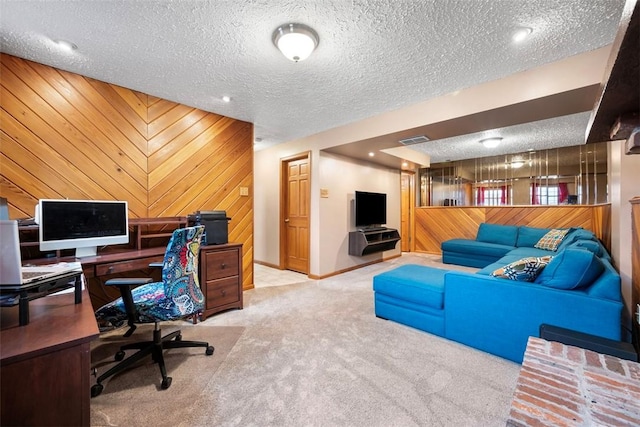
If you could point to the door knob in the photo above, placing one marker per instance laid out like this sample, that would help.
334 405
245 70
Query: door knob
286 220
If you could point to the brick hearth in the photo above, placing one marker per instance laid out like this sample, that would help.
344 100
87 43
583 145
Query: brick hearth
561 385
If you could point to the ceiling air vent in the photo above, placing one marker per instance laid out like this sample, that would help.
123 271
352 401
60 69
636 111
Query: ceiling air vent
414 140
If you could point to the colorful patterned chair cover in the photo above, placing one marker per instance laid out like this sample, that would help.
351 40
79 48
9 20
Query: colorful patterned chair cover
177 296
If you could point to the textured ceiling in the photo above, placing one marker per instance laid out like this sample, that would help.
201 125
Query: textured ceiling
373 56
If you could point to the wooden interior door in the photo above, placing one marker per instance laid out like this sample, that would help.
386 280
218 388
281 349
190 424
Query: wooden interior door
406 210
296 185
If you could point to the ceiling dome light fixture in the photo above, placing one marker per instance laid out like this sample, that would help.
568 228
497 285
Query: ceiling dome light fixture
521 34
517 164
66 45
491 142
295 41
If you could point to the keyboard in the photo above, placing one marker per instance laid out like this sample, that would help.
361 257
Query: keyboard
32 274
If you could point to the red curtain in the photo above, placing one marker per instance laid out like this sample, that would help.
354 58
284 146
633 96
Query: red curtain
535 200
503 195
480 196
563 192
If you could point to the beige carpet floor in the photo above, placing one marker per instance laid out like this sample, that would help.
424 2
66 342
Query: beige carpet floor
314 354
134 397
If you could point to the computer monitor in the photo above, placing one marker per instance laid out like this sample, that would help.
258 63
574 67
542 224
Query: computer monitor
83 225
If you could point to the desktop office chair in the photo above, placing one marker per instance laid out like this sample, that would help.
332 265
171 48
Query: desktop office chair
178 296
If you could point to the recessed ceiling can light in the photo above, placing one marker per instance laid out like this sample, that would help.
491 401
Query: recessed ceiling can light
226 98
371 154
491 142
521 34
66 45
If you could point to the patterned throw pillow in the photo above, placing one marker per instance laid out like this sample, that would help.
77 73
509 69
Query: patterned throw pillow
552 239
523 270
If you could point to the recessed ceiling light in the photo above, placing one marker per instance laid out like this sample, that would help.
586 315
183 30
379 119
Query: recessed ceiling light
405 164
371 154
226 98
521 34
66 45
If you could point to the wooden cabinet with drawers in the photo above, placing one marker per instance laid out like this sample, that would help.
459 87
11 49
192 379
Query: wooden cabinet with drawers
221 277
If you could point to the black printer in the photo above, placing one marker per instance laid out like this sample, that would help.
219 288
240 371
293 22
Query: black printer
216 229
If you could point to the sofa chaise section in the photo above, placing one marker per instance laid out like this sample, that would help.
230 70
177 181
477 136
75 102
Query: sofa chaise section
412 295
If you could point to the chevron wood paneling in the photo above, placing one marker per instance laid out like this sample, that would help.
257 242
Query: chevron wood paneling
435 224
64 135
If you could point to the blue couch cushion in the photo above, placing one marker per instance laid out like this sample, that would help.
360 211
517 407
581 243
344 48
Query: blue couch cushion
571 269
592 246
498 234
415 283
526 251
529 236
576 234
473 247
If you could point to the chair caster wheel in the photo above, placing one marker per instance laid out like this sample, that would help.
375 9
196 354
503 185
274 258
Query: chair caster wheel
96 389
119 356
179 337
166 383
210 350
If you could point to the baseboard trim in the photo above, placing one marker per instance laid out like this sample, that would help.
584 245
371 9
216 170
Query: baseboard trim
355 267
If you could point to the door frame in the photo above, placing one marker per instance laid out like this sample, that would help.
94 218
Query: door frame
284 188
411 177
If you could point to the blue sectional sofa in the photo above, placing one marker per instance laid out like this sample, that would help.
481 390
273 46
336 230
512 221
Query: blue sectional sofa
574 286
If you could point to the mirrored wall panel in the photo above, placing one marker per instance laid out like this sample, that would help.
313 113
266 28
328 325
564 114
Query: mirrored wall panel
568 175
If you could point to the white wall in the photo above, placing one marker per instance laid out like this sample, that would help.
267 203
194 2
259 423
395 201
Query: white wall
331 218
342 176
624 184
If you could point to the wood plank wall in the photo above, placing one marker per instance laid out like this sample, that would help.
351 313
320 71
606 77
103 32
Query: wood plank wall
64 135
435 224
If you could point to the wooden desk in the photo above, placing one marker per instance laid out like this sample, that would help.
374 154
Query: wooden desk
45 366
21 294
99 268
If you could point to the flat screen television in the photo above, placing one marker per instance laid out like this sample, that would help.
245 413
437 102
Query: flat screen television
370 209
83 225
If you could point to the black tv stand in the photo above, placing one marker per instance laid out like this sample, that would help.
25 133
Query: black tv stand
367 229
370 240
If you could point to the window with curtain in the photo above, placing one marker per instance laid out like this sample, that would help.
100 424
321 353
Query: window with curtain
493 196
548 194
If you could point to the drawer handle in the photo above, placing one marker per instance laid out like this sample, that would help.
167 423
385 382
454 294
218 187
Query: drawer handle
223 265
224 293
110 269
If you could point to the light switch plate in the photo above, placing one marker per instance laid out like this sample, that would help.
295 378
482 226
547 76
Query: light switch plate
324 193
244 191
